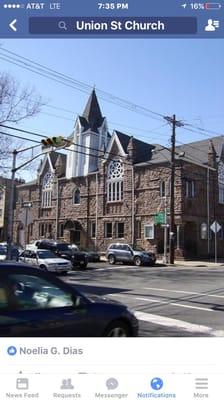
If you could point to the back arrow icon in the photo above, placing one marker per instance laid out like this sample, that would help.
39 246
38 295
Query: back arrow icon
12 25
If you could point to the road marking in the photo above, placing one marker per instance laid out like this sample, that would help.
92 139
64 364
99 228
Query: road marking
163 302
174 304
185 292
119 267
176 323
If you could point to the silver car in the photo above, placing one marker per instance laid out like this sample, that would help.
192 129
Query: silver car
46 260
121 252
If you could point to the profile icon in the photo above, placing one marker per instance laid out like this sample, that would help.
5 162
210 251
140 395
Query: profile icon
210 27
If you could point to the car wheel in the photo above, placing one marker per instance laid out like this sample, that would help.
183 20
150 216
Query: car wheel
83 266
117 329
43 267
111 259
137 261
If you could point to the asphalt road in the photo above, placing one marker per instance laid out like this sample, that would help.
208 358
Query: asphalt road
168 301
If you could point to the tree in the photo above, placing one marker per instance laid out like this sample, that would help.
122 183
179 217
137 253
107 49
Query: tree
16 104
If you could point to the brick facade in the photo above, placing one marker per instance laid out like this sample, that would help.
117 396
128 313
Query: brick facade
190 213
142 187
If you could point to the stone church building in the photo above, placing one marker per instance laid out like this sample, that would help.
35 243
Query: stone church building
111 187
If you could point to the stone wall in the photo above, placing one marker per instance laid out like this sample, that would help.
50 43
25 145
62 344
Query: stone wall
146 202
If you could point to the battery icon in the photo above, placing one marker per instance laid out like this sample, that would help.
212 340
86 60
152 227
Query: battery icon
213 6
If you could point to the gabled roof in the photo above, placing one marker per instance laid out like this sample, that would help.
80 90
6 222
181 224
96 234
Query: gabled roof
198 151
193 152
92 117
54 155
143 150
52 159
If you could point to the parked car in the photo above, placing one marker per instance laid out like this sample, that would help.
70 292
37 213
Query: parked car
3 252
65 250
121 252
46 260
93 256
36 303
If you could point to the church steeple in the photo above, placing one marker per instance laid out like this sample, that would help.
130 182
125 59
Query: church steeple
92 112
90 133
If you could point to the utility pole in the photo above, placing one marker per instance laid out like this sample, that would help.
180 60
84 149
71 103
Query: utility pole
11 198
11 208
172 120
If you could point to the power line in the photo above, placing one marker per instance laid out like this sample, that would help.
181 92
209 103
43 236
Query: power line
66 78
81 86
152 131
17 137
202 129
166 159
200 176
72 143
75 84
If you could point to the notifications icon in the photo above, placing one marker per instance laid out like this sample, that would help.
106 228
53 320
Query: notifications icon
156 383
62 25
111 383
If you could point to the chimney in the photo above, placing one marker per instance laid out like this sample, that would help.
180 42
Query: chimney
212 155
131 150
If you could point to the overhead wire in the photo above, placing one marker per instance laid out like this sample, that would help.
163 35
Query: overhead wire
75 84
43 69
87 147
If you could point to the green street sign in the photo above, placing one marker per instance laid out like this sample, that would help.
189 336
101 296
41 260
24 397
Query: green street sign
159 218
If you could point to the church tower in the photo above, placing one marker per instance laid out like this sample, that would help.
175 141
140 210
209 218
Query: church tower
89 136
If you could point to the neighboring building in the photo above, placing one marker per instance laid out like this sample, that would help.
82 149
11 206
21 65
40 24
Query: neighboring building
110 188
5 190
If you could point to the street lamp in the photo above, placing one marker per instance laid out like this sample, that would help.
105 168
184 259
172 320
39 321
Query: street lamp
27 205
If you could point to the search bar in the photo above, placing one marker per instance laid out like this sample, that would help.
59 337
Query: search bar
113 26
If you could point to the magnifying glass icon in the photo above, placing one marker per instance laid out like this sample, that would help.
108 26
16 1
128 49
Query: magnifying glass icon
62 25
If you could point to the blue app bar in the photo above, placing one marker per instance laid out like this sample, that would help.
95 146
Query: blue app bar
123 19
137 26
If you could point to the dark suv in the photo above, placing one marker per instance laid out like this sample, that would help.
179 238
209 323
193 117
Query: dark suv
65 250
126 253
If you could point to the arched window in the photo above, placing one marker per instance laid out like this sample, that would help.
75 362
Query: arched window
76 196
204 231
162 189
115 181
47 189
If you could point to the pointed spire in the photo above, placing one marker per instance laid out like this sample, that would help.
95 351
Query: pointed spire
92 112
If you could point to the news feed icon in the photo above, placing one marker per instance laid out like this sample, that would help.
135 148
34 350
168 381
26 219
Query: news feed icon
22 383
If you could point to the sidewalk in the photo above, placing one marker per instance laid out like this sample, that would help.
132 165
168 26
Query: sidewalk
184 263
194 263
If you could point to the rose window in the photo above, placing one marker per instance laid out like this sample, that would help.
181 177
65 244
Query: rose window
116 170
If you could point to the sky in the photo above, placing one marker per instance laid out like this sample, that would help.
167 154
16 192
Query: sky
182 77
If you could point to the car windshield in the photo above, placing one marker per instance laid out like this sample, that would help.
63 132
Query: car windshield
63 247
46 254
137 248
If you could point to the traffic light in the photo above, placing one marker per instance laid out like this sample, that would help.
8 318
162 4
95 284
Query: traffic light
55 141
